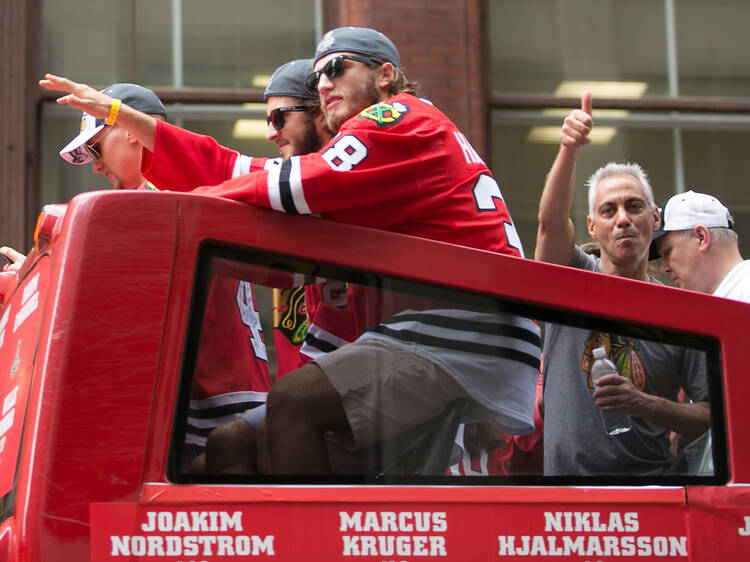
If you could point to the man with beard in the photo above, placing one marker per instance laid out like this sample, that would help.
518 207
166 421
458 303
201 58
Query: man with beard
622 219
398 164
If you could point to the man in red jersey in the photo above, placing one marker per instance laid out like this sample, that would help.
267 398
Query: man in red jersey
231 372
112 151
398 164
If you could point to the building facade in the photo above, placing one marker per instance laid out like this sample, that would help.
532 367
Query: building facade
670 83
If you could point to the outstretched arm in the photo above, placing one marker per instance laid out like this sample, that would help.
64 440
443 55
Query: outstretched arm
85 98
555 237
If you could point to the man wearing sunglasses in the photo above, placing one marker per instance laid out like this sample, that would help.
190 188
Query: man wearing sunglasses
232 369
398 164
112 150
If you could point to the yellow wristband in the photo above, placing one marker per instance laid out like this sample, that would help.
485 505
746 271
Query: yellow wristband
114 111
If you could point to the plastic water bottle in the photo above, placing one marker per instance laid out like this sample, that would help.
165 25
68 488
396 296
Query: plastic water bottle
615 423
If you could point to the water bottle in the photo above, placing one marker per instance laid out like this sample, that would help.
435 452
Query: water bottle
615 423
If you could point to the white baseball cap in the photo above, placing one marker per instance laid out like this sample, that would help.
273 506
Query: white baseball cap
688 210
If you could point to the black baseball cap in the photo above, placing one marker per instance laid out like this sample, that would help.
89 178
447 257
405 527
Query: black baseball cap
289 80
360 40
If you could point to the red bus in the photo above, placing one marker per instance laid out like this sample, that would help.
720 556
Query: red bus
100 333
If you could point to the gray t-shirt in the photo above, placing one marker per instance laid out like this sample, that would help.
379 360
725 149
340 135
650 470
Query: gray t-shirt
575 441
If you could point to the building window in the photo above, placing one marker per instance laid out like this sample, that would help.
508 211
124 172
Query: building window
193 47
665 71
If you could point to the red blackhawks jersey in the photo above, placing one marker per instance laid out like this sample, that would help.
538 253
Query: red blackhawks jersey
231 373
399 165
403 166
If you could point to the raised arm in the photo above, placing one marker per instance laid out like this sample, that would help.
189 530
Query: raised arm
555 237
85 98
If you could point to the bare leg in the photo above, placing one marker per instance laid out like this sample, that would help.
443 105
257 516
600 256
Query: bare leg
302 405
264 455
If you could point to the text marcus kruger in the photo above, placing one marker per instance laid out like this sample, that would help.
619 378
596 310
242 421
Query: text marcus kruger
391 533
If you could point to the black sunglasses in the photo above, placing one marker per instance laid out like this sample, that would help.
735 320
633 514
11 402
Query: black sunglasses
276 118
94 150
333 68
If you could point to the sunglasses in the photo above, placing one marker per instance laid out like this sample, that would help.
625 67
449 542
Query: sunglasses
334 68
94 150
276 118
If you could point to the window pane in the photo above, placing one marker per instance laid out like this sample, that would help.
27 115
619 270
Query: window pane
92 42
711 39
225 44
491 442
230 43
535 45
716 162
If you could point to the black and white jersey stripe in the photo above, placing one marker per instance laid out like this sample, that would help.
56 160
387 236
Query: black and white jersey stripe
208 413
285 187
242 165
319 342
494 357
498 335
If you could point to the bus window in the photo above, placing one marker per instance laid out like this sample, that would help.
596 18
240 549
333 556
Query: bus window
257 316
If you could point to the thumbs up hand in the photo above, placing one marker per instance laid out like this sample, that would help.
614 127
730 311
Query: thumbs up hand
578 124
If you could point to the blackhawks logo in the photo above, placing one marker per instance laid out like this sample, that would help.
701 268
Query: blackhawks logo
290 314
623 353
385 114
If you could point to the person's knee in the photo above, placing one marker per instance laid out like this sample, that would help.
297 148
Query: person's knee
304 396
230 435
231 448
297 391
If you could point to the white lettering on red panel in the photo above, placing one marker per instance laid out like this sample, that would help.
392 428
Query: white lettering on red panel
29 302
591 534
375 523
3 322
159 536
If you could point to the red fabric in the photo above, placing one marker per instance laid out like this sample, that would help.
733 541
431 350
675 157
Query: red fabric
227 361
413 174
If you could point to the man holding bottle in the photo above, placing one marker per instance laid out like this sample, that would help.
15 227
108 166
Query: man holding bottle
622 218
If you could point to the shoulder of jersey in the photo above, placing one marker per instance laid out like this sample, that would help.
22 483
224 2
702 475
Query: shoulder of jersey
386 113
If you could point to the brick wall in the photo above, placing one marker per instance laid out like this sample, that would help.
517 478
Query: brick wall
441 47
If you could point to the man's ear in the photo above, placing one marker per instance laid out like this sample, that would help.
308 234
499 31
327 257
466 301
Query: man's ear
657 218
131 138
386 75
590 227
703 235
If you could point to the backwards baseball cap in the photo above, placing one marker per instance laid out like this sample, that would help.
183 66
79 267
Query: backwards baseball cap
685 211
360 40
289 80
135 96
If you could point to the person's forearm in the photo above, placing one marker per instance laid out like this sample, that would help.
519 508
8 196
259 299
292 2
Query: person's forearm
140 125
556 234
687 419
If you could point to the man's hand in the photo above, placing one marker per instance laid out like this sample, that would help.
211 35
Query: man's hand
614 393
80 96
15 258
555 238
577 125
